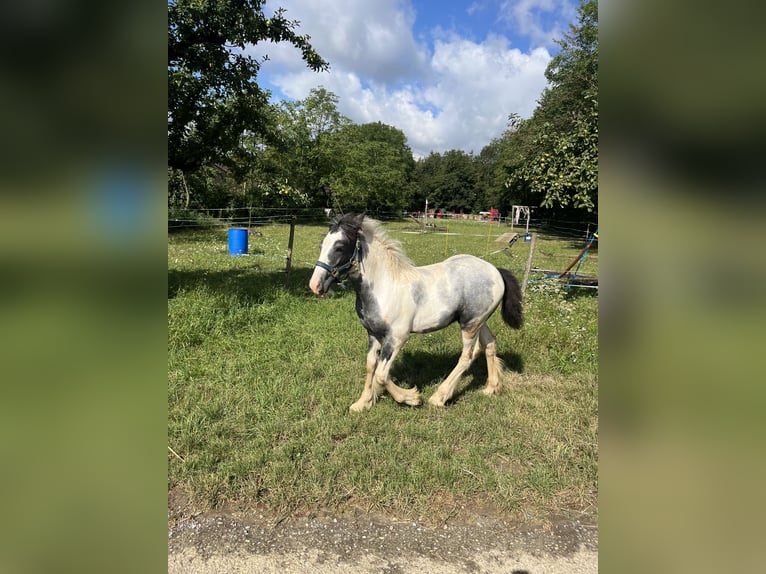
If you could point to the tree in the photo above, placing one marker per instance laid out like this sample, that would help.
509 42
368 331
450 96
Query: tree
213 97
448 181
457 185
373 168
566 173
559 144
304 149
490 188
425 179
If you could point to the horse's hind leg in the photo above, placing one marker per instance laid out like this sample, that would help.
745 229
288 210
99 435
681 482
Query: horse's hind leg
494 363
447 388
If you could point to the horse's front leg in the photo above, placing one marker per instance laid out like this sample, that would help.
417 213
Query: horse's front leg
391 347
378 378
371 392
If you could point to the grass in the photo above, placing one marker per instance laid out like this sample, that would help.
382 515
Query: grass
260 379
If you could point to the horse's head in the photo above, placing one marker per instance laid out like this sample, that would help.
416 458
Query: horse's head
338 253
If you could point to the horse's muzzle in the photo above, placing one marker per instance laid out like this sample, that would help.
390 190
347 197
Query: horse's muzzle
316 290
320 282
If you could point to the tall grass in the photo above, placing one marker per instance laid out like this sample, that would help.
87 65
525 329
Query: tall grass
260 379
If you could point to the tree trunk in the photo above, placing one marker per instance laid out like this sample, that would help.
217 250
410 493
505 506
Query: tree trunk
186 191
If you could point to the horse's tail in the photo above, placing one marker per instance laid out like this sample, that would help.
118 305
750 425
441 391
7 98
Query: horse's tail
511 300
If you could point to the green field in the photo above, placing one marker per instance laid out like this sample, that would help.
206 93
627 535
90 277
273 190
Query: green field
260 379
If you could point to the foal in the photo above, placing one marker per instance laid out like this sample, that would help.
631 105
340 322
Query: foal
394 299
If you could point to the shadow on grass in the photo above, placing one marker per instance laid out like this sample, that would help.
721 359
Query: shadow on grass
579 244
249 284
581 293
425 369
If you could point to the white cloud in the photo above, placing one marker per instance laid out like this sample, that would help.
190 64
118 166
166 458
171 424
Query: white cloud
542 21
451 94
374 35
480 85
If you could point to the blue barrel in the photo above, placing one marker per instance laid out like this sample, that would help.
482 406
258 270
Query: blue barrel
237 241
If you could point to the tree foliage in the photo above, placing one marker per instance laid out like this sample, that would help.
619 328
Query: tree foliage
372 168
462 182
213 96
300 155
557 149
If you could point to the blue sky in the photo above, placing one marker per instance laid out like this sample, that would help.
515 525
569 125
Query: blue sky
446 73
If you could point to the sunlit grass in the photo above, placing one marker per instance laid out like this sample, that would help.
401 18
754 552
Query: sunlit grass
260 379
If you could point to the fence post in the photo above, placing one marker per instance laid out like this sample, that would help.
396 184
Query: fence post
529 264
289 253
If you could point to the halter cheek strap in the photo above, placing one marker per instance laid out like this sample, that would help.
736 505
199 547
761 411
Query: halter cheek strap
340 269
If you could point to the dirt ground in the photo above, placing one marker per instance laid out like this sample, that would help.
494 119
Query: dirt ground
245 541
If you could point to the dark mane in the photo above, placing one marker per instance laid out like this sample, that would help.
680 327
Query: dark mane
349 224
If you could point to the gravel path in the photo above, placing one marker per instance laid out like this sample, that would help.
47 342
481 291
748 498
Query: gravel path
239 543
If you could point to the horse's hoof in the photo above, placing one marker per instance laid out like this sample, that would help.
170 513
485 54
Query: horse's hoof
436 402
415 399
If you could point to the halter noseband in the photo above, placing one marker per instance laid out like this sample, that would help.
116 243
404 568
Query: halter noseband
338 270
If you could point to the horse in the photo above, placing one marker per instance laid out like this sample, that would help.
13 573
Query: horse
394 299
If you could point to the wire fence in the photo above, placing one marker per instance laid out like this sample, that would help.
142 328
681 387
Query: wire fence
546 259
238 217
206 217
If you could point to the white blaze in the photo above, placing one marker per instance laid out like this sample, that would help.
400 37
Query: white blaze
327 244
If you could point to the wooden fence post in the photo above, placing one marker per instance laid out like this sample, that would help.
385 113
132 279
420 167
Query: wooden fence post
289 253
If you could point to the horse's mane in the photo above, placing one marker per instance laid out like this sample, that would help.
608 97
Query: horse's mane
395 258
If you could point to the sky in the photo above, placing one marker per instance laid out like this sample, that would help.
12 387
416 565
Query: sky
447 73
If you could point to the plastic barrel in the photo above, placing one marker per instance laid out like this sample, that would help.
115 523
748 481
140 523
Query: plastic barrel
237 241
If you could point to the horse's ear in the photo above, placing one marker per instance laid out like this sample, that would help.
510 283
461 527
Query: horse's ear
358 218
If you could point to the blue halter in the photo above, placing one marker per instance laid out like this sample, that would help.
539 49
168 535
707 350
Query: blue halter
338 270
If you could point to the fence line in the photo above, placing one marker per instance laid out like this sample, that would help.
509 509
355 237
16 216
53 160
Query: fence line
260 215
293 217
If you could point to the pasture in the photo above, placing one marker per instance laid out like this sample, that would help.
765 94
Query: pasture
260 379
